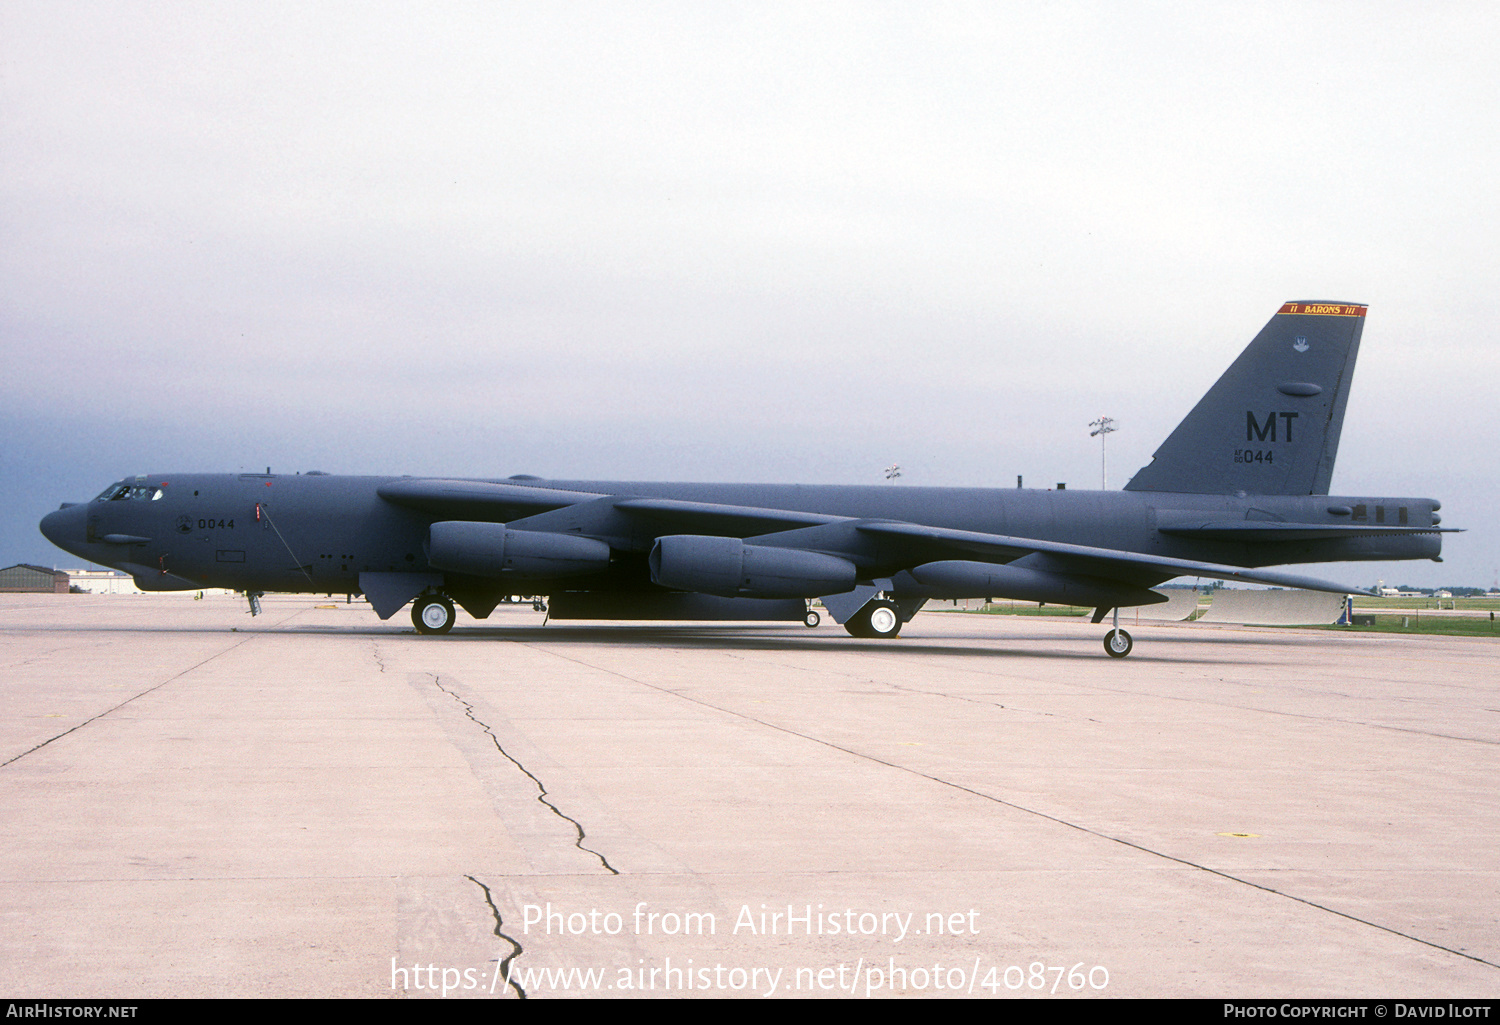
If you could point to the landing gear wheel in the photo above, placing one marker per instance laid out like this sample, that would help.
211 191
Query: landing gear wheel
812 619
883 619
1118 643
432 614
877 619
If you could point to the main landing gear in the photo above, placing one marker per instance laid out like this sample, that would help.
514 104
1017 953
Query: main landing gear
432 614
877 619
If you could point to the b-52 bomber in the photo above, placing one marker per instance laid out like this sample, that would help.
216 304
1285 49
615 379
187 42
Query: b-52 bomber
1241 484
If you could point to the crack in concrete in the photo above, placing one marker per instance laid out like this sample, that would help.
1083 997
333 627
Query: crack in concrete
515 948
1029 811
541 788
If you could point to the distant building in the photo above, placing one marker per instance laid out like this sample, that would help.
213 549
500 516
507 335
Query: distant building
103 581
33 580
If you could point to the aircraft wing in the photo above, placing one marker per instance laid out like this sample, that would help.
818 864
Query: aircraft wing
502 501
494 501
1097 561
499 501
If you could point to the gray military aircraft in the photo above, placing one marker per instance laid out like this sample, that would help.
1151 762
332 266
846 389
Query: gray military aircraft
1242 483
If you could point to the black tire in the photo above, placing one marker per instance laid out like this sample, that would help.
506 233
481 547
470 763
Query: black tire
1117 643
877 619
432 614
812 619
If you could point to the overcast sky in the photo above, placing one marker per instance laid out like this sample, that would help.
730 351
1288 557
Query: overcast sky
779 242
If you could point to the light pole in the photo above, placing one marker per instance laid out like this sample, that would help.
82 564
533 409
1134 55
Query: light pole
1101 427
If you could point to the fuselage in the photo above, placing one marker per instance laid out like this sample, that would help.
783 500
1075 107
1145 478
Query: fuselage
318 533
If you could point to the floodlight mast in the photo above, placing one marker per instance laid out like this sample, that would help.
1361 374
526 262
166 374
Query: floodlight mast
1102 427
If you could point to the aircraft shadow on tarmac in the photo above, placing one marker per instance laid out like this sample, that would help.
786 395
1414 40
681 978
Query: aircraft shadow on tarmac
774 638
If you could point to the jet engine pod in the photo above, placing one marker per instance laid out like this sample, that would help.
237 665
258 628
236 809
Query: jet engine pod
728 567
493 550
959 579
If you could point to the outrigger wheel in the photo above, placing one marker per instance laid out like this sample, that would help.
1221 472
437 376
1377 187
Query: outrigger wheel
1118 643
876 619
432 614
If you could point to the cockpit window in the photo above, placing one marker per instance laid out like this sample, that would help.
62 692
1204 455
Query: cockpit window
130 492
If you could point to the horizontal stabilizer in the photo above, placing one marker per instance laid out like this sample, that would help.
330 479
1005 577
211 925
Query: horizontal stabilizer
1260 530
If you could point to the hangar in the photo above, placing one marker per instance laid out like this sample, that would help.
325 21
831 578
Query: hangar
24 577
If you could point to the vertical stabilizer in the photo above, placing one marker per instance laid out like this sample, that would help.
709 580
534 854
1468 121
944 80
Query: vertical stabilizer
1270 425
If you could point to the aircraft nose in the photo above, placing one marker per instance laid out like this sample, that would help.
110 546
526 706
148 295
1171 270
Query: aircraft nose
64 526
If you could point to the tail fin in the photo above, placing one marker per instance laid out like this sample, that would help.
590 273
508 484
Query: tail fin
1271 424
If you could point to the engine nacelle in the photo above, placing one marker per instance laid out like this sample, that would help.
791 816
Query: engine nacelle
960 579
494 550
728 567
